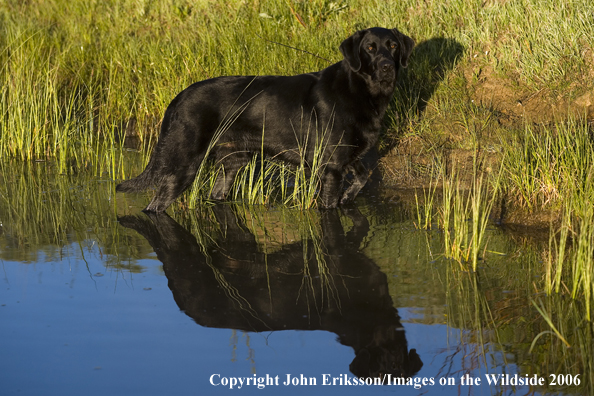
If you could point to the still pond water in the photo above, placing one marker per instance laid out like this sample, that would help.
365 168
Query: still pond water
98 298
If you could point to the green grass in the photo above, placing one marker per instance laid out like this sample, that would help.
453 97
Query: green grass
549 166
545 168
73 72
77 76
462 212
265 181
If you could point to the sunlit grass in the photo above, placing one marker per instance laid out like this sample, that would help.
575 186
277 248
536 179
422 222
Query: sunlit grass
545 166
426 208
73 71
462 210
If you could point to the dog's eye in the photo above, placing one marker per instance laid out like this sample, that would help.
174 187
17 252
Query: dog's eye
393 45
370 48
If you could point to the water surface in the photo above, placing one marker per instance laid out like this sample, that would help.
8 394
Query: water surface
98 298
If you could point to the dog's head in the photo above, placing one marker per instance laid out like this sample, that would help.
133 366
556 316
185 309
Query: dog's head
378 53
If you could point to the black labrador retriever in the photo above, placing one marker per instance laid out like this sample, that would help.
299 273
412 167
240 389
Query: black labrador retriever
335 113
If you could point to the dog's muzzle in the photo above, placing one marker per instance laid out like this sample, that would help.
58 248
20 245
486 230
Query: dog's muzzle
387 70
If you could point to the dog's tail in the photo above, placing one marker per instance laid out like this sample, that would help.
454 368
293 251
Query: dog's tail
141 182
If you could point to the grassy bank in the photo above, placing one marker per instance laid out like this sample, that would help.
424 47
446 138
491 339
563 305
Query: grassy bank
78 77
74 72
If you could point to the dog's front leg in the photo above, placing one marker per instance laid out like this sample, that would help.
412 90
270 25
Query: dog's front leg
360 176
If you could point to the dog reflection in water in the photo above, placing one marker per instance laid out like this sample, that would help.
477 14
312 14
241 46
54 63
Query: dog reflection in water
323 283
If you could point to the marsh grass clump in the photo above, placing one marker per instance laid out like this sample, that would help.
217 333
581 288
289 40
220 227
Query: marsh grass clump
463 210
264 180
543 169
545 166
552 168
464 217
425 210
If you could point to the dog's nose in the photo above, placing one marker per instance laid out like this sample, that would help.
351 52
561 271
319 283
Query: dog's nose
387 66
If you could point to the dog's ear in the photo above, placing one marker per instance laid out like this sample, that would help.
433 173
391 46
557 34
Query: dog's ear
350 50
406 45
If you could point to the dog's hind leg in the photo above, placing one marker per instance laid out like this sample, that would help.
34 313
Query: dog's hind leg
172 183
